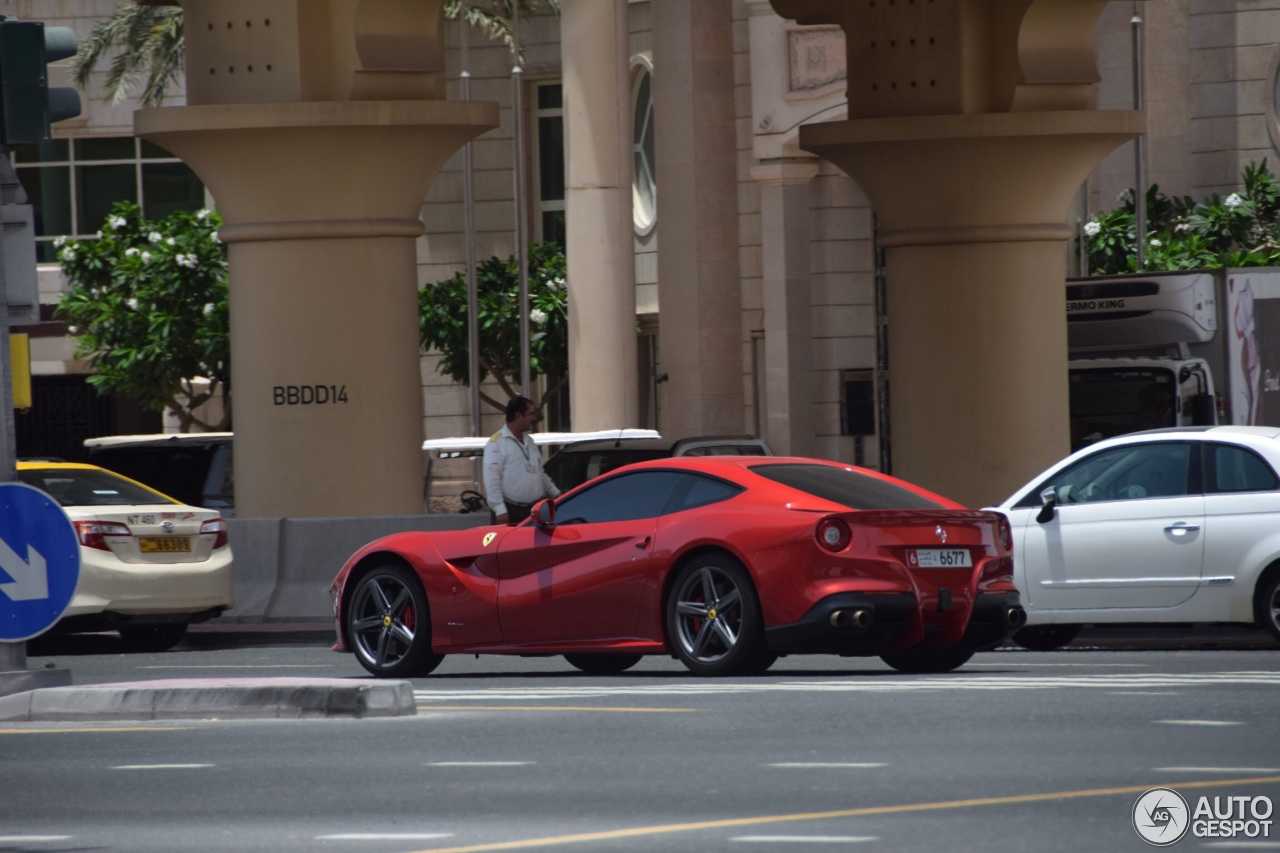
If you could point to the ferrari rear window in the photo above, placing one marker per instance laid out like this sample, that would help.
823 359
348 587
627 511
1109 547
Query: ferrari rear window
842 486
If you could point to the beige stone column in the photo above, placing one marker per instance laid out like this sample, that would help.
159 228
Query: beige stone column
318 128
788 304
971 130
601 261
700 338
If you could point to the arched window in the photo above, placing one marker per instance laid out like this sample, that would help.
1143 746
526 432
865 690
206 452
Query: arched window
644 183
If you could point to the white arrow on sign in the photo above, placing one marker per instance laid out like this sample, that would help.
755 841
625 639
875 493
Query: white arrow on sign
30 578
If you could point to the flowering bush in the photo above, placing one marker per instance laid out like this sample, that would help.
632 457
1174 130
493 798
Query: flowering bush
442 321
1241 230
148 308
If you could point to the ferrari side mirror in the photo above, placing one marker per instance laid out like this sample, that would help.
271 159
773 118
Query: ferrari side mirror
545 513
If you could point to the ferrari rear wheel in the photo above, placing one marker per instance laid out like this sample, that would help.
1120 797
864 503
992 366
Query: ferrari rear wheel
1046 638
714 621
602 663
941 660
389 625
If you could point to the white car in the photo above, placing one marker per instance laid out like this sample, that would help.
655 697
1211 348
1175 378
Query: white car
149 565
1173 525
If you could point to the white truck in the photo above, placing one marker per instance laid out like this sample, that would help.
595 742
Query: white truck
1151 350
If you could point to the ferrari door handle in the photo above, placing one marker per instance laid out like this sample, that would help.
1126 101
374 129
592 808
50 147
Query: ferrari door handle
643 543
1181 529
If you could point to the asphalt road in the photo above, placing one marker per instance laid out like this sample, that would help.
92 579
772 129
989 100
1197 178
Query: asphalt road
1016 751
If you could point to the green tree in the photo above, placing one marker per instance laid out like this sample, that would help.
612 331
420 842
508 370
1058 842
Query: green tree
148 308
148 42
1241 230
442 321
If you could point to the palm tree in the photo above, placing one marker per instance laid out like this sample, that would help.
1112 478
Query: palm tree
150 43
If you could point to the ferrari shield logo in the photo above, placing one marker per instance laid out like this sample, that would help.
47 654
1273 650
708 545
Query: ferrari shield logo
488 537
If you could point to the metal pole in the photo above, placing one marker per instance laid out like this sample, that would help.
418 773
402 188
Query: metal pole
1139 161
469 231
13 656
522 238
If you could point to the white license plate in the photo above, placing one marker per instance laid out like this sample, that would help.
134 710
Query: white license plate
939 558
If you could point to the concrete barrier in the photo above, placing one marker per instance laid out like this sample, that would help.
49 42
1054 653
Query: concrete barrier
283 566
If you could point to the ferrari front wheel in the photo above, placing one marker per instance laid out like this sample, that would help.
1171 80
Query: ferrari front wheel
389 625
713 619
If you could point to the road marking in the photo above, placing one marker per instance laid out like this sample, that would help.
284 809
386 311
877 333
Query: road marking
478 763
879 684
1198 723
81 731
1144 693
1216 769
384 836
1245 845
244 666
806 839
729 823
547 708
161 766
861 766
31 839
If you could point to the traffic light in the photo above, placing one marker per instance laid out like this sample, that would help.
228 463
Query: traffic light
28 106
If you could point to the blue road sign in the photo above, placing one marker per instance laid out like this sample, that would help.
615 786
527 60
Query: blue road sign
39 562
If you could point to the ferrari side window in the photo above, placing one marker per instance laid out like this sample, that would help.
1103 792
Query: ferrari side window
702 491
623 498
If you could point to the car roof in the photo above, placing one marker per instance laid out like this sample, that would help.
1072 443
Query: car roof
658 443
1221 431
159 439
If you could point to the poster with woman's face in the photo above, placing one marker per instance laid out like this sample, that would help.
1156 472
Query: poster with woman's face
1253 318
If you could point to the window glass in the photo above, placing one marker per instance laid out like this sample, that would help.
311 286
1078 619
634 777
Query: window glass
169 188
100 187
1125 473
105 148
845 486
89 487
643 494
644 185
701 491
1237 469
50 151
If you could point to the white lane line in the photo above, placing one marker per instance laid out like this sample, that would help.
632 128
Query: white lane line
33 839
1245 845
161 766
384 836
478 763
1230 770
854 765
1197 723
954 681
244 666
805 839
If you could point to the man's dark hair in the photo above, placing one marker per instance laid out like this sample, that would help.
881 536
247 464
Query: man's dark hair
517 406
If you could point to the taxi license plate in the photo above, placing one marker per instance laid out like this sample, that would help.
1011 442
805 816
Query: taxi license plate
164 545
939 558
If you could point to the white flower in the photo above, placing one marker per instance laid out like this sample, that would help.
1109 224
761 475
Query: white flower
116 222
73 330
59 242
131 251
132 303
188 261
98 234
557 284
1182 226
155 236
1233 201
203 214
68 254
537 315
171 242
1156 243
208 309
146 257
1091 229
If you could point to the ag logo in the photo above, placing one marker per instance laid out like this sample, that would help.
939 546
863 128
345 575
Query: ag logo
1161 817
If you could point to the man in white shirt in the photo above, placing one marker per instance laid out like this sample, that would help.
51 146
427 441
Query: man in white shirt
513 476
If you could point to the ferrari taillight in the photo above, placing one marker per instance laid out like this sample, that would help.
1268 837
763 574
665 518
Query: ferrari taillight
833 534
218 527
92 534
1006 533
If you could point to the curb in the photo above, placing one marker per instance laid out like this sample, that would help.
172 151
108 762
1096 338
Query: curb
189 699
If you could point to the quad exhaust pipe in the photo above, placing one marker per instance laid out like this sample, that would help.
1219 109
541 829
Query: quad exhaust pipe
859 619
